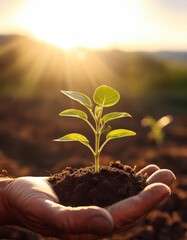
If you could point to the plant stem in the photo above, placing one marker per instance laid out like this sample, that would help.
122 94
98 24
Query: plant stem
96 163
93 129
103 145
91 149
97 143
97 140
97 132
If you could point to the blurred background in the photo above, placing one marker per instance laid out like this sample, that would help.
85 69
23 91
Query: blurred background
137 47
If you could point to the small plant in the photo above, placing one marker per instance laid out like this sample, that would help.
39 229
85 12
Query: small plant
156 127
103 97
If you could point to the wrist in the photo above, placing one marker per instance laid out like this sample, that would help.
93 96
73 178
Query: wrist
4 216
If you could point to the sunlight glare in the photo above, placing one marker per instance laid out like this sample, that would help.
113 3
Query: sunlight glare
70 24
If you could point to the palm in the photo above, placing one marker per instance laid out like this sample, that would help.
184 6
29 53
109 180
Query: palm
31 197
34 205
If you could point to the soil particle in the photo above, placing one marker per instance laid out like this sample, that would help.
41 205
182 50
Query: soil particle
84 187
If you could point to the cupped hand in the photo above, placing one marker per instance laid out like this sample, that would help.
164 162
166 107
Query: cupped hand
30 202
130 212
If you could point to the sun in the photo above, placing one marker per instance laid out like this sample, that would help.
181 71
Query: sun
81 23
66 24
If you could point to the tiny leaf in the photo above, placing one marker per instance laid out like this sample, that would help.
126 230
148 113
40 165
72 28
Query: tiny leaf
164 121
114 115
73 137
106 96
148 121
79 97
107 130
119 133
74 113
98 111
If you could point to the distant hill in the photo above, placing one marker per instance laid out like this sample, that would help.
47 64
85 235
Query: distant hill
9 37
32 66
175 56
179 56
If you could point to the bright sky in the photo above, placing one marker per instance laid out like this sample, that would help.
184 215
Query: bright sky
127 24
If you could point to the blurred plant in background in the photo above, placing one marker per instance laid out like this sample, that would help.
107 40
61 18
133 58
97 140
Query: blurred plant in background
156 127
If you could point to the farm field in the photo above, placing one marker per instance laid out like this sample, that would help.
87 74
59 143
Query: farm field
149 84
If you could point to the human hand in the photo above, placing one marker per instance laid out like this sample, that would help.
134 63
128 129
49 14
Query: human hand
30 202
130 212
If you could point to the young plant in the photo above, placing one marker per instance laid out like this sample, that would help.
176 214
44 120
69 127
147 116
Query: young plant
103 97
156 127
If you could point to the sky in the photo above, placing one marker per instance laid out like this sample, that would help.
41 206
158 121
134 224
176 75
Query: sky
125 24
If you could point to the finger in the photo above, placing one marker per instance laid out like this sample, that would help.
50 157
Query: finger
127 211
59 220
150 169
163 176
86 220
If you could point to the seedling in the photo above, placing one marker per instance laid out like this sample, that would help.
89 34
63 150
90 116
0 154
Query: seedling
156 127
103 97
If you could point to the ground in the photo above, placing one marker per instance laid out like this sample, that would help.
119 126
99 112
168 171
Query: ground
28 127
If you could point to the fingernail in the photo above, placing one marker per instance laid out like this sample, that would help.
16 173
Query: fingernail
100 225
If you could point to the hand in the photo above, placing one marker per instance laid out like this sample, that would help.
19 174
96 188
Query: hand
130 212
30 202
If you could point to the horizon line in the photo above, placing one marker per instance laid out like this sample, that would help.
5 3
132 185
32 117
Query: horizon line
109 47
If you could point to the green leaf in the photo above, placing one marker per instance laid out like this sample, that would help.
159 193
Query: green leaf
98 111
73 137
74 113
119 133
107 130
106 96
79 97
164 121
148 121
114 115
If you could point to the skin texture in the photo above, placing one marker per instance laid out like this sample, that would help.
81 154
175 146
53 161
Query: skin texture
30 202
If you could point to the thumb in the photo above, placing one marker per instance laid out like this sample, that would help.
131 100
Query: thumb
78 220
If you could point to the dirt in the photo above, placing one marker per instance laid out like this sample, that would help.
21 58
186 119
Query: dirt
84 187
28 127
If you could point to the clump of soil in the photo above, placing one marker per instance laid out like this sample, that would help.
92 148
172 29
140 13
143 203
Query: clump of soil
83 187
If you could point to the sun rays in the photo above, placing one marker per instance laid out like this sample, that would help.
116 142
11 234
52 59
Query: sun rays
36 65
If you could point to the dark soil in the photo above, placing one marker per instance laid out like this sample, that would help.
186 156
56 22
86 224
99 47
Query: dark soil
26 148
84 187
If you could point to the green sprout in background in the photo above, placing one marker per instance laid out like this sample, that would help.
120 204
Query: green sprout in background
157 127
103 97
